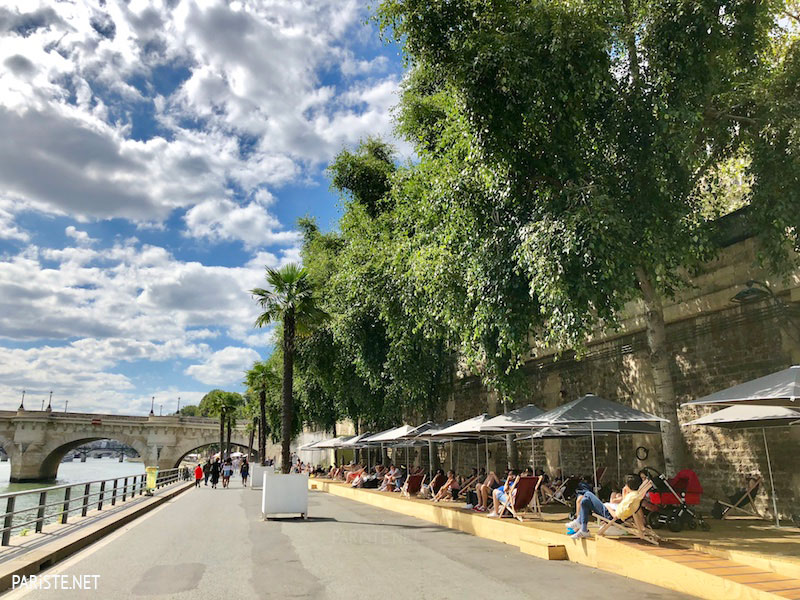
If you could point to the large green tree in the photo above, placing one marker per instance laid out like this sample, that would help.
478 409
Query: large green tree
290 301
568 139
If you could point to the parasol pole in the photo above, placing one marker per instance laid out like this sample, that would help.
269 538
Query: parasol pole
430 456
771 482
619 462
486 442
594 459
533 452
478 455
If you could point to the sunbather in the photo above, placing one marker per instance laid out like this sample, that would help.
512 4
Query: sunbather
544 486
450 486
500 495
390 479
588 504
485 489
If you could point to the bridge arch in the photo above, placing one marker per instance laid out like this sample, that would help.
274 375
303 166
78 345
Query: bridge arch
36 441
233 443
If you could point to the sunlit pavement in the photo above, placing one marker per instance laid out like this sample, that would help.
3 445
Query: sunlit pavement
212 544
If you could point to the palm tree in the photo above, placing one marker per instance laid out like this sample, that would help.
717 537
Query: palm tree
291 302
223 404
259 378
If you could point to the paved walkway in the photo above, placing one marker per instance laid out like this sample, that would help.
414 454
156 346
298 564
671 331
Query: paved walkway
212 544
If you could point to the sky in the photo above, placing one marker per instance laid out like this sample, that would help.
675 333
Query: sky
154 159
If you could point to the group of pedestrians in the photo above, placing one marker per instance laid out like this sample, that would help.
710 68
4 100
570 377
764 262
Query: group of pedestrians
221 469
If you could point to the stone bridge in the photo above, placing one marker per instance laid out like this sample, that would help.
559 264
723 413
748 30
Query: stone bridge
36 441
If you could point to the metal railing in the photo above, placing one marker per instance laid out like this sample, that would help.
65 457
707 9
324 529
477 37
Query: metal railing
42 506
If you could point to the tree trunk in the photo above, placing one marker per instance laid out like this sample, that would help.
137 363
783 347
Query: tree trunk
512 457
262 427
228 441
250 436
221 435
671 437
286 393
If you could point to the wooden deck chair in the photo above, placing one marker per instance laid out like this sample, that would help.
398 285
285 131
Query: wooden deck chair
564 492
522 494
628 524
600 474
745 503
413 485
467 486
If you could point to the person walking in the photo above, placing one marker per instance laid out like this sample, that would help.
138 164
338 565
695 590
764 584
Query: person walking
207 471
215 472
245 471
227 471
198 475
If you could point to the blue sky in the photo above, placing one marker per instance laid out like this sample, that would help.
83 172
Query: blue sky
156 156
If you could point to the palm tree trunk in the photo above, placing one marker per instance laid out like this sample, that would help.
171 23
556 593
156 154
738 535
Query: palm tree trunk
262 427
221 435
250 444
671 438
288 375
228 444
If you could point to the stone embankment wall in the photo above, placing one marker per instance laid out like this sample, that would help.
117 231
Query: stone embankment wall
714 343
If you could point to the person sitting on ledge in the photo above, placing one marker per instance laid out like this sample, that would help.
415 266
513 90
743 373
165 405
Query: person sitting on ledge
619 506
500 495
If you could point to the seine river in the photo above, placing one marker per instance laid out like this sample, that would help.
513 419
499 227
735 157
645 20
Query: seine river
74 472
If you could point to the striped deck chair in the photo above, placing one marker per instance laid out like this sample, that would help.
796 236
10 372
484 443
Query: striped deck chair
564 492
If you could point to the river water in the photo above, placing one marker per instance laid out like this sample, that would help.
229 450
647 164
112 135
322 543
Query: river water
74 472
68 472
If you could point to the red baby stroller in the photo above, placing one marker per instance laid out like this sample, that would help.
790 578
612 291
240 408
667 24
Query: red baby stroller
671 501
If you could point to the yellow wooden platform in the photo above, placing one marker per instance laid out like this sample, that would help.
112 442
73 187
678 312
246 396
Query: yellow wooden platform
683 565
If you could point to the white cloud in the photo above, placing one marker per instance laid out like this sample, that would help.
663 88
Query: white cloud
93 309
253 112
226 220
225 366
81 237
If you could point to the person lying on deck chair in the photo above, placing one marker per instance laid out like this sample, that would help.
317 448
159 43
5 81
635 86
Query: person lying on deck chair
451 486
390 479
628 502
485 489
500 495
430 490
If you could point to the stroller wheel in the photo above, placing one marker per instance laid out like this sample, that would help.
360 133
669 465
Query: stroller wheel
675 525
691 524
705 526
653 520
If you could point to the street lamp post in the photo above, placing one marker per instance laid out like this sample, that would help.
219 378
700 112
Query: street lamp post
160 410
50 403
179 405
152 404
22 402
66 404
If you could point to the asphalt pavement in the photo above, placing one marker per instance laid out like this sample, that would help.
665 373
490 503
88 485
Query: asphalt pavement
212 544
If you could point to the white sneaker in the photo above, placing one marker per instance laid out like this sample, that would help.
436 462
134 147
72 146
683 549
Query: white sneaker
580 534
615 531
468 506
574 524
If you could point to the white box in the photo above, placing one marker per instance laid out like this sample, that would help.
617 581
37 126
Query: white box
284 495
